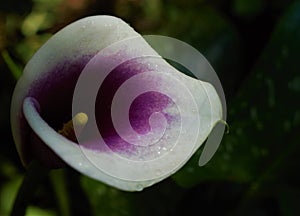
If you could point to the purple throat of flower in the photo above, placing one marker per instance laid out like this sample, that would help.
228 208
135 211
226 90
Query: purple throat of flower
53 96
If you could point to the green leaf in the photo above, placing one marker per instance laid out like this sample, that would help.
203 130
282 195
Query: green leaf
262 117
14 68
8 193
35 211
248 8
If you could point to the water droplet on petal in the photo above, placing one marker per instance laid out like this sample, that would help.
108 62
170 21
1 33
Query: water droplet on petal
139 187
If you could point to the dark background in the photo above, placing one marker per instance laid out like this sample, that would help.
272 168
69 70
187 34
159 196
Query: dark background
253 45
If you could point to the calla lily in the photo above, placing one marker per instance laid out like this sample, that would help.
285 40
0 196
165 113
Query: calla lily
136 119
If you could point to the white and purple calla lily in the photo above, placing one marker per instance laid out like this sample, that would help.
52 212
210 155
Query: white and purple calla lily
137 120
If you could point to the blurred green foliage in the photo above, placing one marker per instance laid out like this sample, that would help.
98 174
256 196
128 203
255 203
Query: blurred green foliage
254 46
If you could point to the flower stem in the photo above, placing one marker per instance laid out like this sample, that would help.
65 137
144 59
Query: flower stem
59 185
34 175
